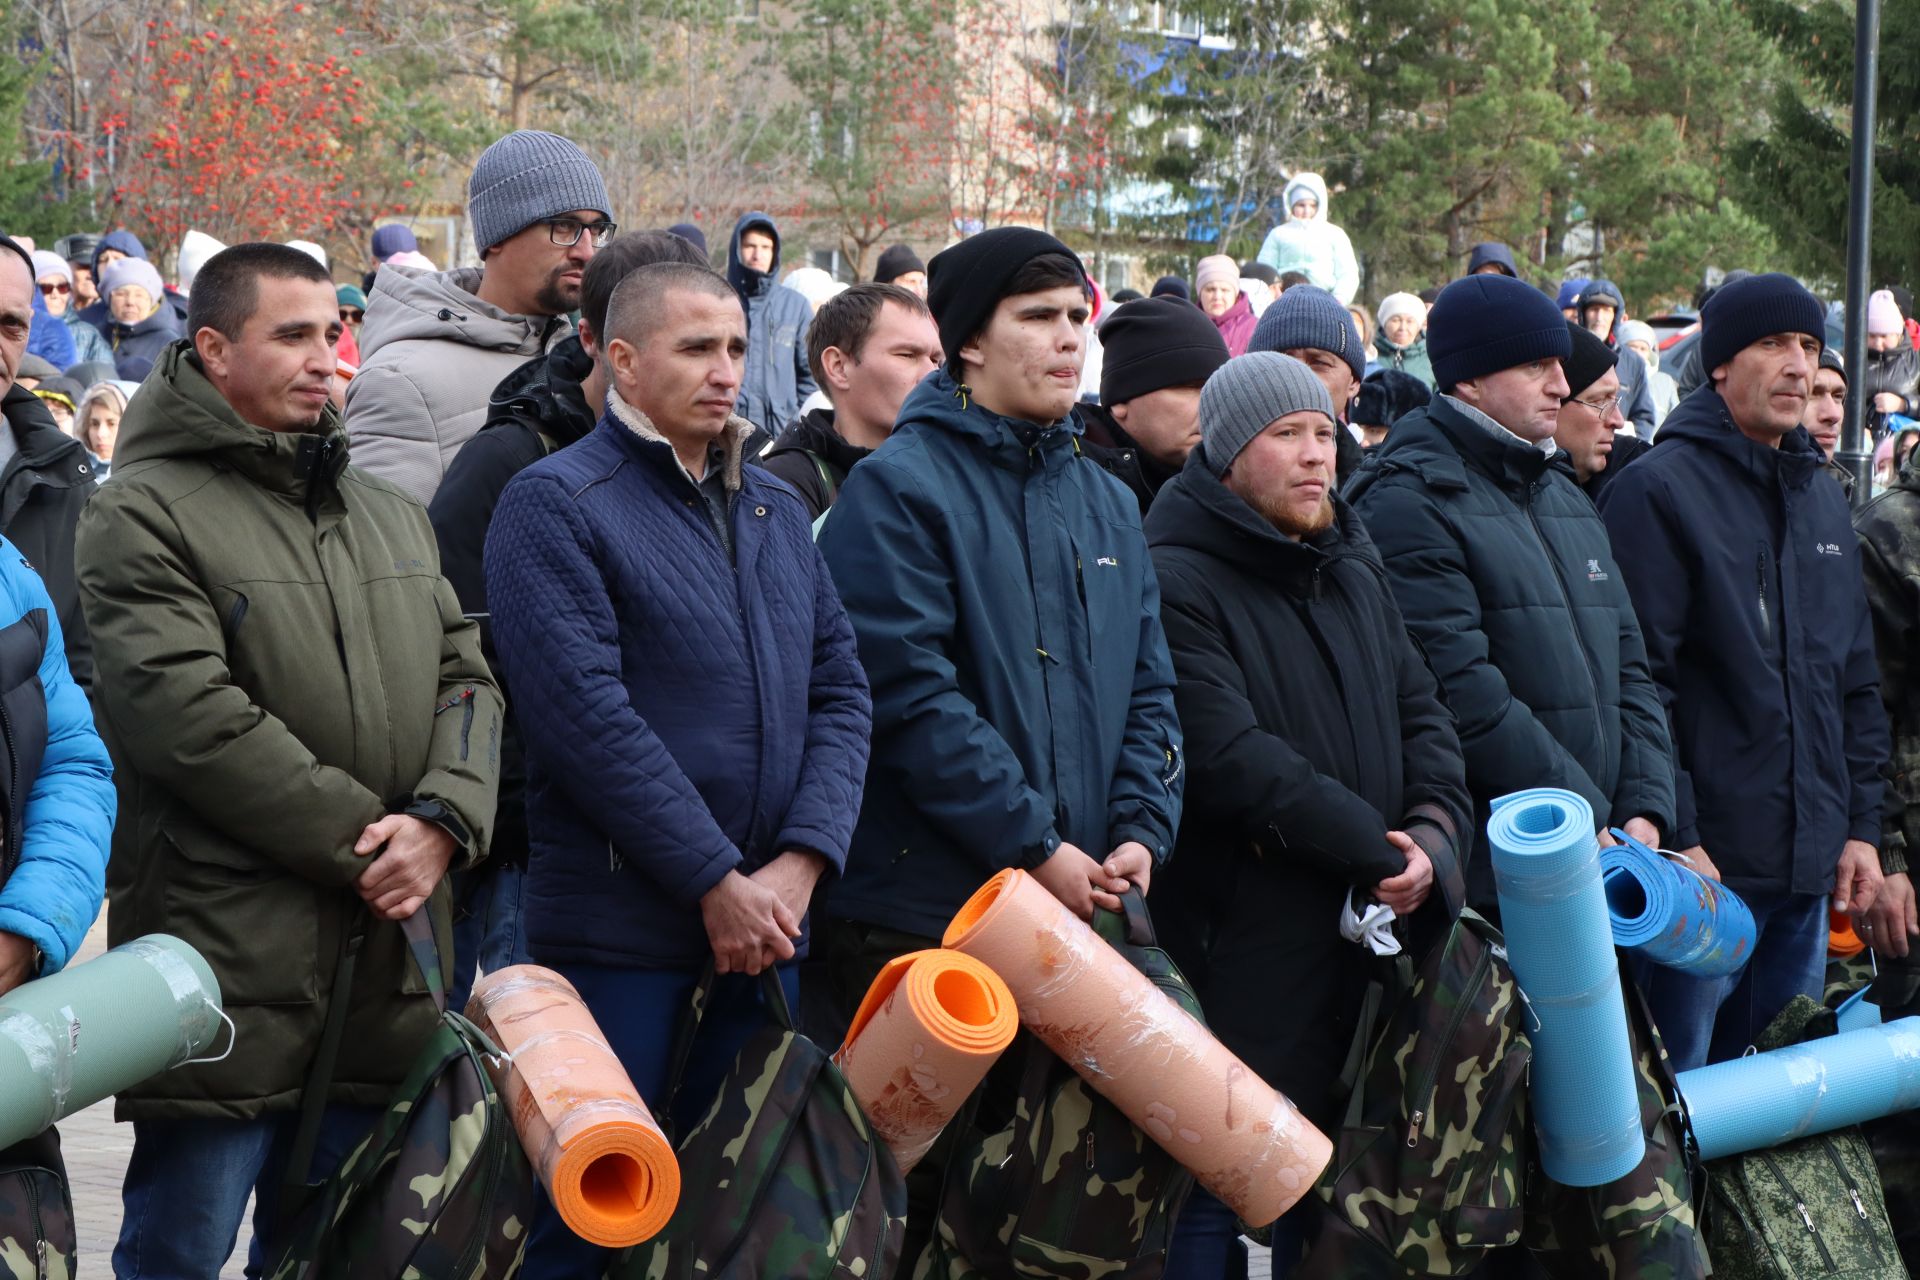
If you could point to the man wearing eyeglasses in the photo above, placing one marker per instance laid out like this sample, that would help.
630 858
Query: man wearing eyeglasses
435 344
1592 422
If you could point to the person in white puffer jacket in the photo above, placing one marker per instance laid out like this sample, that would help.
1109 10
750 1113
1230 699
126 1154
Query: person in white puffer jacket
1308 243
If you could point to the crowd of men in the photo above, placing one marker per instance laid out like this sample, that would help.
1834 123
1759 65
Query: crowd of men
717 627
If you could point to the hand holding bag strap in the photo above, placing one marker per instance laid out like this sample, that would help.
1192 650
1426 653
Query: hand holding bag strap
1130 926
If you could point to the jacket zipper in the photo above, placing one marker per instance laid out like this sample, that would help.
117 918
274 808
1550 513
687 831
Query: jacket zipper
40 1268
1800 1206
491 1174
1853 1194
1760 579
1454 1019
236 615
1586 662
466 716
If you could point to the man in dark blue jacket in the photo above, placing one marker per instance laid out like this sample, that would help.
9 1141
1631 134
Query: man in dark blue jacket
1746 576
777 380
1602 309
691 702
1505 575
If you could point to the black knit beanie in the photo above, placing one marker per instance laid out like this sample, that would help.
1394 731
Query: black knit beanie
1740 314
1387 396
1483 324
1591 359
966 282
1156 343
897 261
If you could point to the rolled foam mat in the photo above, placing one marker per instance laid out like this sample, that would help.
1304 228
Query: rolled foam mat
1765 1099
930 1026
93 1029
1238 1135
1842 941
1857 1012
609 1170
1553 908
1673 915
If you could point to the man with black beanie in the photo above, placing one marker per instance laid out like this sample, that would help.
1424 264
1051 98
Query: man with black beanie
1592 418
1009 623
1506 578
1385 397
902 266
1746 576
1159 352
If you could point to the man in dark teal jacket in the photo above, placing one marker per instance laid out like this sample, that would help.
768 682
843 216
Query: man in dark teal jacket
1009 622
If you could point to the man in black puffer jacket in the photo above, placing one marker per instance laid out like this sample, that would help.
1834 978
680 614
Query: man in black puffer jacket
1506 576
1323 766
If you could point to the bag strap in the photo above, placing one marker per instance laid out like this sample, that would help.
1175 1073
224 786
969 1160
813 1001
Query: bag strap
313 1096
1130 926
826 476
689 1030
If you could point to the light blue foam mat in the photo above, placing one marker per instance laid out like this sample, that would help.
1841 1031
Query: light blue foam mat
1671 914
1553 909
1857 1012
1765 1099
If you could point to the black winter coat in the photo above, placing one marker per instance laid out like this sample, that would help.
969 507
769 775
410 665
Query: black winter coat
1746 573
791 457
1897 371
1508 582
1108 444
42 491
541 397
1313 727
1626 448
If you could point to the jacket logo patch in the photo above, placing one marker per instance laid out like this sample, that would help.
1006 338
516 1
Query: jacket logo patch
404 565
1827 548
1594 572
1109 561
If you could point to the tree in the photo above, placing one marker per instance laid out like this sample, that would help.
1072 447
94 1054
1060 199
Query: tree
28 202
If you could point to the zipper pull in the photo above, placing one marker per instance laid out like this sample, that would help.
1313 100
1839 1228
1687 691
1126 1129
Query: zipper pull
1413 1126
1089 1152
1805 1216
1858 1208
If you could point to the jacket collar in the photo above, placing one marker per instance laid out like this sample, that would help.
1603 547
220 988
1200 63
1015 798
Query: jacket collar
1485 445
39 438
1197 510
1702 419
946 405
733 440
814 432
548 389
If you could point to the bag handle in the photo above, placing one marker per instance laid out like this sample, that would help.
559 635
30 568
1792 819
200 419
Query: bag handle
1130 925
775 997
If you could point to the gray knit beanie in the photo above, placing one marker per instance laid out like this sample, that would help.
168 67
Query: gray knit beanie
527 176
1306 318
1247 395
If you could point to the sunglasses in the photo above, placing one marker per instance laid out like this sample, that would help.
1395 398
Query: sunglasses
349 316
51 290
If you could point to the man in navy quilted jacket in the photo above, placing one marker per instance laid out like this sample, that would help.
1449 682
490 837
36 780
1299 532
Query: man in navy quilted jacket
695 715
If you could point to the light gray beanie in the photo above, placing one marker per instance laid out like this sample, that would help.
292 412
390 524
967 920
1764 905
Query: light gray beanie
1248 394
526 176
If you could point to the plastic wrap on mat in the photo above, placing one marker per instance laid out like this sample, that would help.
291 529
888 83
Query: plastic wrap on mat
1242 1139
608 1168
1673 915
93 1029
930 1026
1553 909
1765 1099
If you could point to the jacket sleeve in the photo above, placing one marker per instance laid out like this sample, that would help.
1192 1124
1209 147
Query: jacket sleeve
1640 521
55 892
1247 779
839 730
1143 800
1507 748
463 507
1869 744
391 430
1346 268
1895 609
1638 407
559 644
239 769
886 548
1431 762
1646 788
463 756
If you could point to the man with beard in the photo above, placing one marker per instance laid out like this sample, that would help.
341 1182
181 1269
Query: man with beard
434 345
1325 768
1506 577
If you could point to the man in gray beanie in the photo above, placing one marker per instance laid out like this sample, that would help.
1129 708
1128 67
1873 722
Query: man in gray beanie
1324 767
434 345
1312 326
1507 577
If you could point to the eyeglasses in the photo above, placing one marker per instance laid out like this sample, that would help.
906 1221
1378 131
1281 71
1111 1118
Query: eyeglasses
566 232
1602 408
52 290
348 316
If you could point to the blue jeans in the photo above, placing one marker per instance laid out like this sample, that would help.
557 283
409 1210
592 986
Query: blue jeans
187 1184
1206 1241
640 1011
487 933
1705 1020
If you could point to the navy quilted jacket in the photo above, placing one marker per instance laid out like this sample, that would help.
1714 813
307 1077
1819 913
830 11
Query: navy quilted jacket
1009 620
683 715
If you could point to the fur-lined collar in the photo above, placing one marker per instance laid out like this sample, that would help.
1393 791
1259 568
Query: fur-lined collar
733 438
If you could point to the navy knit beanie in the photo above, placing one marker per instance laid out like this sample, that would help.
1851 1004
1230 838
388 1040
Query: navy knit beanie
1309 318
966 282
1589 360
1483 324
1740 314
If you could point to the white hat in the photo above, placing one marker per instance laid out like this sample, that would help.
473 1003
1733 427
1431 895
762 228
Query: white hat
195 248
311 249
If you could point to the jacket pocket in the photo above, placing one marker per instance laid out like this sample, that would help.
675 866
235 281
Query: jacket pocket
257 925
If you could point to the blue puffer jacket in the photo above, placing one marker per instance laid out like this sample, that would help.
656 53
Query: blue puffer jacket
684 714
1745 571
1009 621
53 861
777 379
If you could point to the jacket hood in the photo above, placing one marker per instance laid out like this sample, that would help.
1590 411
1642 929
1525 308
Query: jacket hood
547 389
1438 439
814 432
125 241
407 304
941 403
745 281
1492 252
179 414
1604 292
1311 184
1198 511
1702 418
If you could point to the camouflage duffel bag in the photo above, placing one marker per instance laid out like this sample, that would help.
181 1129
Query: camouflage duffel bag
782 1176
37 1239
440 1190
